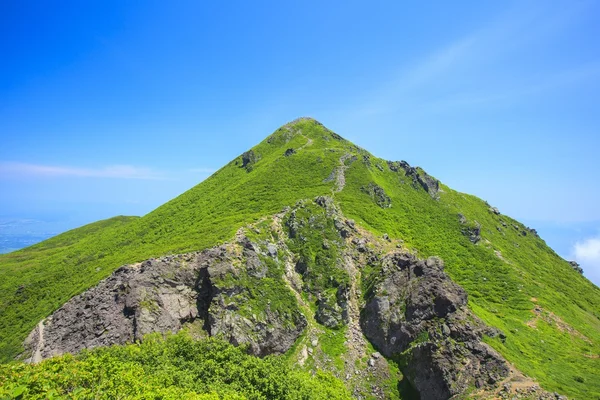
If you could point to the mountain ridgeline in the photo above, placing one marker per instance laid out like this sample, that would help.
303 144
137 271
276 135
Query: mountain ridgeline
310 249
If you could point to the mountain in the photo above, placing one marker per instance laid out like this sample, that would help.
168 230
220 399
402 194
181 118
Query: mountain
309 246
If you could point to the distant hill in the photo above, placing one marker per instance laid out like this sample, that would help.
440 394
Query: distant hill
524 301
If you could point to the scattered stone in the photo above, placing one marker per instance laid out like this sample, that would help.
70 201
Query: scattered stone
289 152
314 343
494 210
473 232
272 249
576 266
361 244
462 219
445 330
324 201
371 362
376 355
533 232
367 160
342 228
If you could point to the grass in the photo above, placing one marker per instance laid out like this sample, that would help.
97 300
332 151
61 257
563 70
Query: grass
506 274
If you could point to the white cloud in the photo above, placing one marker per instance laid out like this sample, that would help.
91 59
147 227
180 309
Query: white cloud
19 170
587 253
588 250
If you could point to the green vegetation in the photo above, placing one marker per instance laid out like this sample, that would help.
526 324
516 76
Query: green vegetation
507 273
177 367
315 239
257 293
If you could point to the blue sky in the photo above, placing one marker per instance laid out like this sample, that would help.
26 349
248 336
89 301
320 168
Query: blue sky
113 107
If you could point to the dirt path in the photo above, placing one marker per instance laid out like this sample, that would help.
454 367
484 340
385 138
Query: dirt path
356 342
309 142
37 355
340 174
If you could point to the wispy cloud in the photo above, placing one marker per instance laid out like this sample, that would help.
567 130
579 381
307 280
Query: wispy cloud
587 253
468 70
20 170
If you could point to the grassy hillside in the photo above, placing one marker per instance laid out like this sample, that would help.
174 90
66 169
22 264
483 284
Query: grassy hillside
549 313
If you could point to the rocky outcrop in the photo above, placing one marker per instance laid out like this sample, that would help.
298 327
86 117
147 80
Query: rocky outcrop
576 266
471 230
164 294
249 158
494 210
419 177
416 314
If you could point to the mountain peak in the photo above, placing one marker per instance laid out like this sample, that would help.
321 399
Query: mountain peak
302 119
337 261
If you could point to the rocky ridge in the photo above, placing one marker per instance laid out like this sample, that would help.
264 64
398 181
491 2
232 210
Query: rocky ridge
291 279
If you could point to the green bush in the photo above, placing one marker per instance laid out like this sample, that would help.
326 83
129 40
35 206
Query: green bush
177 367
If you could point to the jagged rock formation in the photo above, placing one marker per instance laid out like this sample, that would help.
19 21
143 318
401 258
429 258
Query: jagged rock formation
249 158
417 314
419 177
162 295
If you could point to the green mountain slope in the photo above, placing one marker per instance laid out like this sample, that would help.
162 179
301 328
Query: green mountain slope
549 313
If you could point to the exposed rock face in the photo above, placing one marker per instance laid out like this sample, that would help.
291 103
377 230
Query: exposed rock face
161 295
249 158
415 312
419 177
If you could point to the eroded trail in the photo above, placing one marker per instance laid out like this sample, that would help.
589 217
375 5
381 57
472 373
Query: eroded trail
37 355
340 173
309 142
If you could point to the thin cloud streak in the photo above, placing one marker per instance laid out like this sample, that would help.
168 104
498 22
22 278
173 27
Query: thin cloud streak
457 74
11 170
